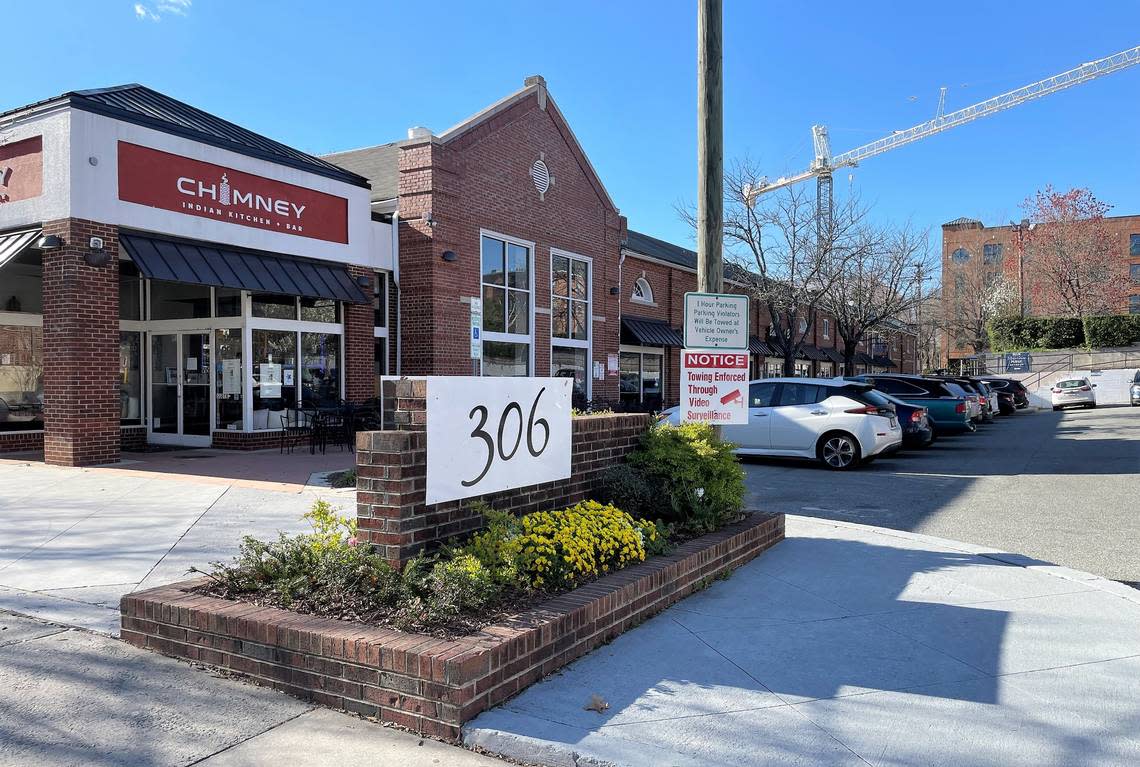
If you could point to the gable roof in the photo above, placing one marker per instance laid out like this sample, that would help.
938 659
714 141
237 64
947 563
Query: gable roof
381 164
139 105
660 249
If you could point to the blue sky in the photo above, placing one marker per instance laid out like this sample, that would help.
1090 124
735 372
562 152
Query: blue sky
339 75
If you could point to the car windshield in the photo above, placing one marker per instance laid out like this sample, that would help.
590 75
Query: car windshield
872 397
1075 383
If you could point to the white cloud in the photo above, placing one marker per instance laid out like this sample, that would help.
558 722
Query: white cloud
142 13
145 12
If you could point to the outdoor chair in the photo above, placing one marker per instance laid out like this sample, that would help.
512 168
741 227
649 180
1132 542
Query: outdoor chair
296 428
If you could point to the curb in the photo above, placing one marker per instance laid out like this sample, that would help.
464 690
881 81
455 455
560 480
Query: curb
1090 580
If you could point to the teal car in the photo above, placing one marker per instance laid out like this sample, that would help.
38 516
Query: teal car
945 402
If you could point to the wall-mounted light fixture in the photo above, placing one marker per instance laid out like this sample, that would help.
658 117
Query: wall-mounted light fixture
364 281
614 290
449 256
49 241
96 254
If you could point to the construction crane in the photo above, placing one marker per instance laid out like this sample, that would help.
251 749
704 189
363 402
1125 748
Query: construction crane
825 164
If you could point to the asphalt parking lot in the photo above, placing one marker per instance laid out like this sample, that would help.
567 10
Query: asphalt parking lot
1061 487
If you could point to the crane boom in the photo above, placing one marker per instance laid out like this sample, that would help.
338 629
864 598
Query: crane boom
824 163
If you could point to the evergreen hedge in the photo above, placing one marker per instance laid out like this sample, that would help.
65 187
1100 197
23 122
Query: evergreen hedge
1009 334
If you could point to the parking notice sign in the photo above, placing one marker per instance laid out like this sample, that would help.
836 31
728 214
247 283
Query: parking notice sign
714 387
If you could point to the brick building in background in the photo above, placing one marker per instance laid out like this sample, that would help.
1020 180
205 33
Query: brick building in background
974 255
170 277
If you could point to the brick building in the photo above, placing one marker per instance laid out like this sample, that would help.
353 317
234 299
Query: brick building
974 255
170 277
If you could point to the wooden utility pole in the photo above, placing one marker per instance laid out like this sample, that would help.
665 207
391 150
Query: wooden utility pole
710 149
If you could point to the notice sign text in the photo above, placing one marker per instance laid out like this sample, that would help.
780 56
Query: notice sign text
716 321
714 387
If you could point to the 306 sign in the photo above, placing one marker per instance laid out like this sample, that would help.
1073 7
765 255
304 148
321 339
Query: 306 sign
485 435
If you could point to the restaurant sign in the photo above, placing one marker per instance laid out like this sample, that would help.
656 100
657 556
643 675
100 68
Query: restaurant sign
172 182
21 169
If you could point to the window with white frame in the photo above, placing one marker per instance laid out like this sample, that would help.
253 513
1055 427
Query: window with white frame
507 305
826 328
803 326
642 292
570 319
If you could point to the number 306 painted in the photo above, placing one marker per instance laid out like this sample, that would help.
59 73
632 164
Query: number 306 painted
485 435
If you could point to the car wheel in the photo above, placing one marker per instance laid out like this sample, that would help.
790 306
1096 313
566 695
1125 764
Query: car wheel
1091 406
1056 408
838 451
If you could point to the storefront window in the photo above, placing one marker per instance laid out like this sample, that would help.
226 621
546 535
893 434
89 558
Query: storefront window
320 310
274 357
506 307
567 362
273 306
639 377
803 369
775 369
320 369
21 284
380 300
228 302
130 378
505 359
228 378
178 301
21 378
130 291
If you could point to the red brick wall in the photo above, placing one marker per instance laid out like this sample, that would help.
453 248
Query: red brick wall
359 345
429 685
391 475
481 179
21 441
81 347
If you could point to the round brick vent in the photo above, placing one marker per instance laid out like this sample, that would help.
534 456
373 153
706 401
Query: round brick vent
540 174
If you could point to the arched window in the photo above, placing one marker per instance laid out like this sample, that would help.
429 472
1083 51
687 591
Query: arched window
961 256
642 293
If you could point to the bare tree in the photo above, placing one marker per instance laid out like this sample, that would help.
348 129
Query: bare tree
979 295
884 278
928 325
784 253
1068 254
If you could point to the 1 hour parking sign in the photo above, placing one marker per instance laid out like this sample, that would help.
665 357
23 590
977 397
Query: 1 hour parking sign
714 387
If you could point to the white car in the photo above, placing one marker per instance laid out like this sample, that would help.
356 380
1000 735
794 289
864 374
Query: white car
1073 391
838 422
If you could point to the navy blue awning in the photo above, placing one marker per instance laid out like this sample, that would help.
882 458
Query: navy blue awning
202 263
647 332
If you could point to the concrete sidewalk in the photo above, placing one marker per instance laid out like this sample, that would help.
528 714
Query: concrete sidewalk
76 698
73 541
854 645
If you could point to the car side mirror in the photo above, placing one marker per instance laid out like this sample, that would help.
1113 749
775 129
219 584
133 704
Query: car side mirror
1094 386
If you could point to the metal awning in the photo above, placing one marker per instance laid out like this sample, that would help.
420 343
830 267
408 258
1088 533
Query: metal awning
13 244
202 263
809 352
882 362
647 332
862 358
756 346
833 354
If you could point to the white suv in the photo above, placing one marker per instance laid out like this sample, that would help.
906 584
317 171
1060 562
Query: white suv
1073 391
838 422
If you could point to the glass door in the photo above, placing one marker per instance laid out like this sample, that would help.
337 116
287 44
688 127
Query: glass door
180 388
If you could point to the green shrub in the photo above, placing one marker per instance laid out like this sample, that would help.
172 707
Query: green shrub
1010 334
629 488
1118 330
443 592
1061 333
697 480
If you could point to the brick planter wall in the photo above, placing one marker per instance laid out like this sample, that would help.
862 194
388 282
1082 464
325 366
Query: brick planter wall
132 438
21 441
225 439
429 685
391 475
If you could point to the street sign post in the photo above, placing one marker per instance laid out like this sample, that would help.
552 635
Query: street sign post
476 328
716 321
714 387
